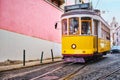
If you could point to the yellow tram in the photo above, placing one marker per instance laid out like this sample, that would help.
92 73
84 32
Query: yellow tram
85 34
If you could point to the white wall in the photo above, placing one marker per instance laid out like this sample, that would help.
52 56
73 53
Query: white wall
12 45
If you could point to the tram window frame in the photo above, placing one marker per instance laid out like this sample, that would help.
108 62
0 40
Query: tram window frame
75 30
85 18
64 30
90 22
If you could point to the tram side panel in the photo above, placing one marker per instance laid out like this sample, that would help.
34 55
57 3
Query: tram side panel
103 45
84 45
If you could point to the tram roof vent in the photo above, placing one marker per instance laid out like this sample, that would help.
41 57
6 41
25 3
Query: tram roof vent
97 12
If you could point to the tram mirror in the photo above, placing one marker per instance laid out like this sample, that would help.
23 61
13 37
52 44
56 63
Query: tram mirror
56 25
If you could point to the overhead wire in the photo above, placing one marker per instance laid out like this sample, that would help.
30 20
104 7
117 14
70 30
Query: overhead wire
97 3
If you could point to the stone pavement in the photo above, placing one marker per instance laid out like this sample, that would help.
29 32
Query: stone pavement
28 64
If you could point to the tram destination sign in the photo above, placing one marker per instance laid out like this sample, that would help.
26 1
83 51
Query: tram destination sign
77 6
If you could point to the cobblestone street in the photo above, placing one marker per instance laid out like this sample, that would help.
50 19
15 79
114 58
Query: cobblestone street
107 68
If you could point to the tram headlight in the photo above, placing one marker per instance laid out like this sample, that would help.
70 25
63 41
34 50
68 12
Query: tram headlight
73 46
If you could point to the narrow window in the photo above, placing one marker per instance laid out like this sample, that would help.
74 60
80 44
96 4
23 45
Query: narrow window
95 27
64 26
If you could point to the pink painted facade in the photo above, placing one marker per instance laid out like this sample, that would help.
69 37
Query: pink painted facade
34 18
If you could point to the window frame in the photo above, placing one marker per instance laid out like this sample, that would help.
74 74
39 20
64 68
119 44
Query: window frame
78 18
62 27
90 21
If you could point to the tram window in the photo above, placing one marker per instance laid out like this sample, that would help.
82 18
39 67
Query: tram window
73 25
64 26
85 28
95 27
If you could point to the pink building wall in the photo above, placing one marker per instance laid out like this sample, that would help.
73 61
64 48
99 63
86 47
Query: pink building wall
30 17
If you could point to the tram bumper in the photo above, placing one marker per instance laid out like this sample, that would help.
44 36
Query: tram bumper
74 59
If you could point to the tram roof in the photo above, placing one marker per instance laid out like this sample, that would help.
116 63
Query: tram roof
83 9
85 12
79 11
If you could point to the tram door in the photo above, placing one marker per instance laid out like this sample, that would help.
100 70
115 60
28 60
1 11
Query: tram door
86 28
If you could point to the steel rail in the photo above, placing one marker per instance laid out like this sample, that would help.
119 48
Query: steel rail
51 71
107 75
69 76
31 71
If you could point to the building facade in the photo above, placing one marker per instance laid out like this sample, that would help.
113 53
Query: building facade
115 33
29 25
117 36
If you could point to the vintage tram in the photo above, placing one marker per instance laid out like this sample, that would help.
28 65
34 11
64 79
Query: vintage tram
85 34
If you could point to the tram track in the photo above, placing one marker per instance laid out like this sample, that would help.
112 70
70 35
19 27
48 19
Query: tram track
109 74
93 70
36 74
60 68
12 76
69 76
35 78
60 74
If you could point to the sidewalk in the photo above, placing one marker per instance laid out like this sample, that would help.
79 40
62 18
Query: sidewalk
28 64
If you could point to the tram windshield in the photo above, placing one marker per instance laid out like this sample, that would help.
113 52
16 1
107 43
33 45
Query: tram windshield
73 25
85 28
